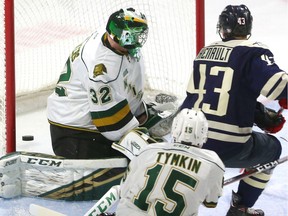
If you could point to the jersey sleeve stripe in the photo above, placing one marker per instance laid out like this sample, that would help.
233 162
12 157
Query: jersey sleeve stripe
229 127
112 118
110 112
228 132
116 125
227 137
275 85
99 122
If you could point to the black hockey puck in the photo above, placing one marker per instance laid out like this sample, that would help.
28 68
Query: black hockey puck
27 138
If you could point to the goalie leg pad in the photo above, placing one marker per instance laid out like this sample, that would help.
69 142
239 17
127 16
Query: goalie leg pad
10 176
8 191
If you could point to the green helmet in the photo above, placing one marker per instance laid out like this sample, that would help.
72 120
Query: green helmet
129 29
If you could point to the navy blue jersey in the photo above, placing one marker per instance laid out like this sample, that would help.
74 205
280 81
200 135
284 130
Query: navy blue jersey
227 79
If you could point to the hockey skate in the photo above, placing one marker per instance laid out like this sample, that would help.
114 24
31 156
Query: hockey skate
239 210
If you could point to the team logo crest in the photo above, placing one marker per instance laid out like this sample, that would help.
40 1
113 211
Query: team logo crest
99 69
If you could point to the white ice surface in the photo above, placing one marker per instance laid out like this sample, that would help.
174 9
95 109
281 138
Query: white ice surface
274 200
270 27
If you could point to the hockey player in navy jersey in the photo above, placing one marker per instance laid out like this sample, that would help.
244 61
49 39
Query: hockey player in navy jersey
228 77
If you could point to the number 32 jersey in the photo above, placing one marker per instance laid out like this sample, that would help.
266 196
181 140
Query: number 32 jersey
171 179
99 89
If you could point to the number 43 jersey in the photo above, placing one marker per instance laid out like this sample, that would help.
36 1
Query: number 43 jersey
171 179
226 81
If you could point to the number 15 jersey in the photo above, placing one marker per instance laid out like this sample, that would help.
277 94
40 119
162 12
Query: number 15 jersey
171 179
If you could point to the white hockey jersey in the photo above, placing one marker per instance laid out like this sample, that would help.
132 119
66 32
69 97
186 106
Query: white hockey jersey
99 89
171 179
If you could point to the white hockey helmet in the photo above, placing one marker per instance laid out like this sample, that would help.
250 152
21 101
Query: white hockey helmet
190 127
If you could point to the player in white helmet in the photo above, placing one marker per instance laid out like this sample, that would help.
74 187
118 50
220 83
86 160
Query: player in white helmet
172 178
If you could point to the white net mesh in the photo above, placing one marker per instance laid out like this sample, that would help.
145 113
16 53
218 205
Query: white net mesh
46 31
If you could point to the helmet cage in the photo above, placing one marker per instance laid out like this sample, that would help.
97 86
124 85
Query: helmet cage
133 38
129 29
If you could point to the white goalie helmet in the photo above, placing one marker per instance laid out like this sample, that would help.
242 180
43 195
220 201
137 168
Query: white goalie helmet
190 127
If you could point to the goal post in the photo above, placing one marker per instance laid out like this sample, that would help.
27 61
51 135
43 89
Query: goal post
7 76
38 35
200 24
10 75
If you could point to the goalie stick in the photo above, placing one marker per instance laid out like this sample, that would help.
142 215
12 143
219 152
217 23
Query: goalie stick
106 202
37 210
101 206
256 169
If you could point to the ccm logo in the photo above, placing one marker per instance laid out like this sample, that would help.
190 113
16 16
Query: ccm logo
44 162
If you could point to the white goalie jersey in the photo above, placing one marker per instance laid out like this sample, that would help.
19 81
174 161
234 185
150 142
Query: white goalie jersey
171 179
99 89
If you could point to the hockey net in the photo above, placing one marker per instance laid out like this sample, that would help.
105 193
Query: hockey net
46 31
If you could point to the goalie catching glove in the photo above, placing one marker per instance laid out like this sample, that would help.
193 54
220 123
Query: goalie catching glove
159 117
268 119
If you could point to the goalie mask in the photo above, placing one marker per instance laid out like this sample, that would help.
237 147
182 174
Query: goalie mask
235 20
129 29
190 127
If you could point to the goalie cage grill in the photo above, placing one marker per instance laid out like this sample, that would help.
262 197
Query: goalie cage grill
47 31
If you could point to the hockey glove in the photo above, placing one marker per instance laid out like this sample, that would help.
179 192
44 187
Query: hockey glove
283 103
268 119
132 143
159 118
